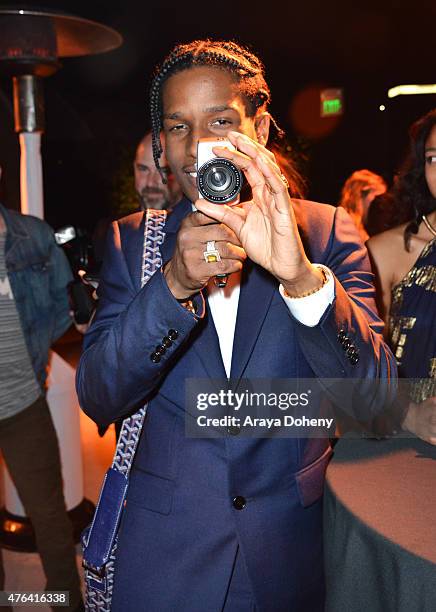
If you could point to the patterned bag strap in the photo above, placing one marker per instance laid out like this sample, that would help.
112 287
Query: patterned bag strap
151 262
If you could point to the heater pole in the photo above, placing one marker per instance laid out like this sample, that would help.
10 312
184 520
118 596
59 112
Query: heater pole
31 43
29 124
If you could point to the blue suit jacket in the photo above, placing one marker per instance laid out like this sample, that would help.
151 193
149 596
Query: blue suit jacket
180 531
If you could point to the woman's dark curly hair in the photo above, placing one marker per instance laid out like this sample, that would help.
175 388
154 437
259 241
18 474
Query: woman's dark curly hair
247 70
411 192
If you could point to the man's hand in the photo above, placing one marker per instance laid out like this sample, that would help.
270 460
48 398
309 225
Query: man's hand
266 226
421 420
82 328
188 272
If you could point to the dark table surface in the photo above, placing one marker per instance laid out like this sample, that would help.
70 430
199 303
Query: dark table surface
380 526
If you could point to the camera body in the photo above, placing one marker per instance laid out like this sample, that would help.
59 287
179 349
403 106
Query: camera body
218 179
77 247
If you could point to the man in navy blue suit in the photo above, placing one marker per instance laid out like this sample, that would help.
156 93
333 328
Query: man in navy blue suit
229 523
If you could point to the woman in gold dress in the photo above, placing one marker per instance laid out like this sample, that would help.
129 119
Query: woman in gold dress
404 259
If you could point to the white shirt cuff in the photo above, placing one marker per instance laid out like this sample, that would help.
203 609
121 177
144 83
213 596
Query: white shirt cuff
309 310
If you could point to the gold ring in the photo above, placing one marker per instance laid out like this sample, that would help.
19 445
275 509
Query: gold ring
211 254
285 180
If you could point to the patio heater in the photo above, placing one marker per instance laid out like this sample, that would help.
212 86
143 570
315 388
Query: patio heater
31 43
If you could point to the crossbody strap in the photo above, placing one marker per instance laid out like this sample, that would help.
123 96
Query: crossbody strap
151 262
100 540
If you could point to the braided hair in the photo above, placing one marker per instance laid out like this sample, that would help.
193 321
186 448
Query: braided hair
411 191
246 67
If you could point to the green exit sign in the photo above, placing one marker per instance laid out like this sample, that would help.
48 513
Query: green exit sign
331 102
331 107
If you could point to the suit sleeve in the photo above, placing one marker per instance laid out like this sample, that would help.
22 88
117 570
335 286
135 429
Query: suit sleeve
347 344
119 369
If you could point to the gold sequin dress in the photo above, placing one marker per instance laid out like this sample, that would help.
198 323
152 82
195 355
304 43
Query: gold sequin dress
412 325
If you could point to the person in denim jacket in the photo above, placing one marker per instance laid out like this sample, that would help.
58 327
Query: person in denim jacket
34 312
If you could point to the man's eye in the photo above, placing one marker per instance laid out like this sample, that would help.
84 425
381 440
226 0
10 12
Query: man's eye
221 122
430 159
178 127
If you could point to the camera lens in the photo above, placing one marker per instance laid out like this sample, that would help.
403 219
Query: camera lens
219 181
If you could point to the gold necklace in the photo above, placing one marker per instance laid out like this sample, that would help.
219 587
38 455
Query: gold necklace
428 225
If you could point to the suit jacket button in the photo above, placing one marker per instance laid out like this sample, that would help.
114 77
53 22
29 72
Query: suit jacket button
346 344
166 342
354 359
239 502
341 335
172 334
159 350
155 358
351 350
234 430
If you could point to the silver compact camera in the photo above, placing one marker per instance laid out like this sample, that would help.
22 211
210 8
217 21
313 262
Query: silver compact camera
218 179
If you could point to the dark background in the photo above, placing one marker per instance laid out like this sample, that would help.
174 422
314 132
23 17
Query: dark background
96 106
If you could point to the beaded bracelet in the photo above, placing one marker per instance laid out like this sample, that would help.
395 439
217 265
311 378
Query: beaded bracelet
312 291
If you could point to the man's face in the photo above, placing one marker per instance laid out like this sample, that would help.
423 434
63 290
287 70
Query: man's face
152 192
200 102
430 161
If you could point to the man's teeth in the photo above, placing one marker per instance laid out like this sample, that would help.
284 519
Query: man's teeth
193 174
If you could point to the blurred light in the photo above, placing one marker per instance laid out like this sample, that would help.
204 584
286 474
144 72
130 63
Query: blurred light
331 107
410 90
11 526
382 107
305 112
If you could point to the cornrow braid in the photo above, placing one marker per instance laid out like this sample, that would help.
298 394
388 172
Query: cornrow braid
247 69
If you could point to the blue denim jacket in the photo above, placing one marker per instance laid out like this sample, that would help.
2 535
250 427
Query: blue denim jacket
39 273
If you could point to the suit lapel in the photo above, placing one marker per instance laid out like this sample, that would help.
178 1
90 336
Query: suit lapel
257 290
206 343
172 226
207 346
